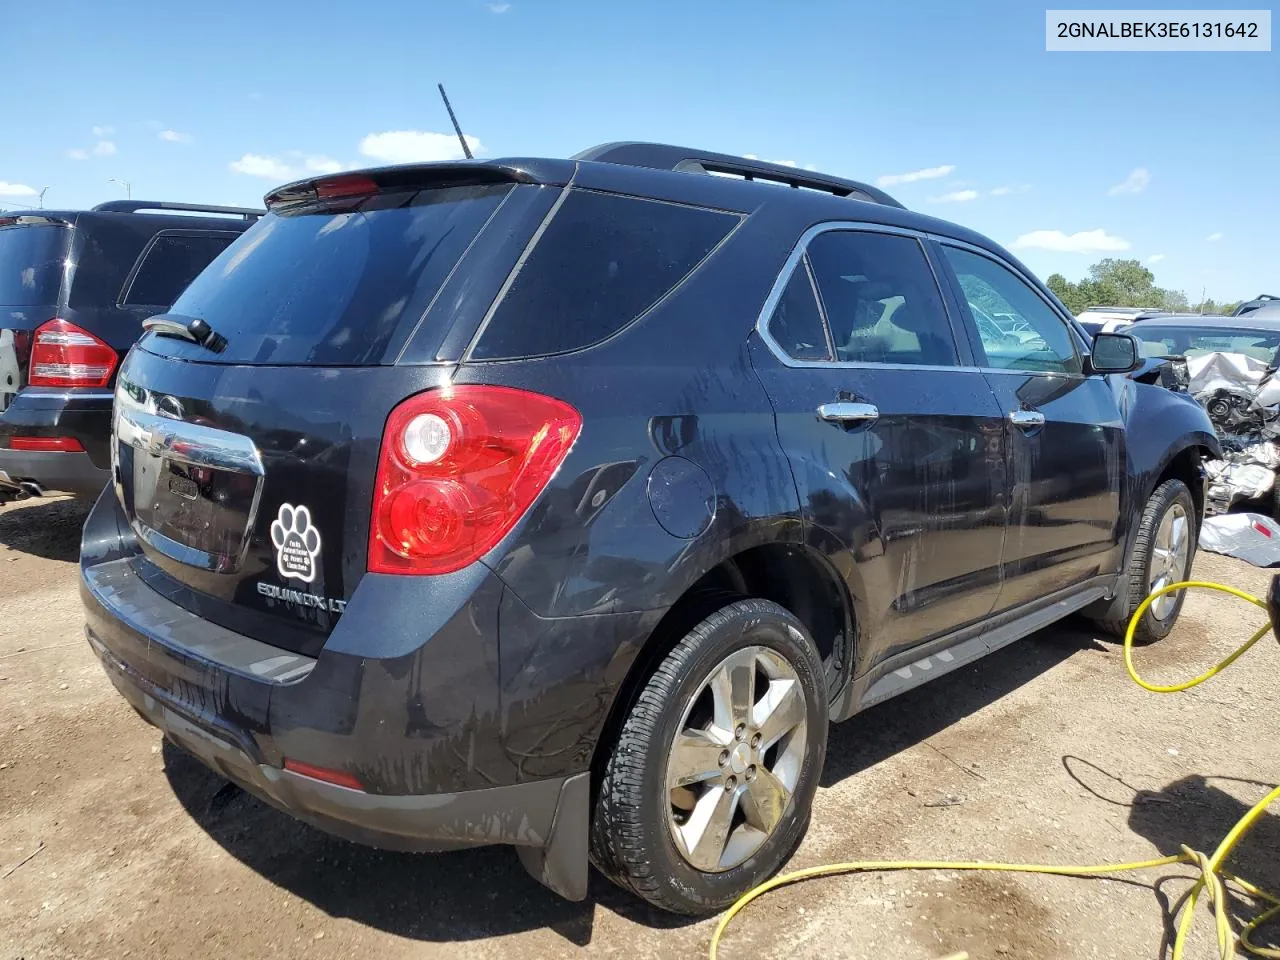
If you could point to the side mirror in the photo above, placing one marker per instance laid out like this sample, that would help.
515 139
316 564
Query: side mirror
1114 353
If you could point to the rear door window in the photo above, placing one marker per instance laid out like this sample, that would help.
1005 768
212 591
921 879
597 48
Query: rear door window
170 263
334 287
602 262
881 300
31 262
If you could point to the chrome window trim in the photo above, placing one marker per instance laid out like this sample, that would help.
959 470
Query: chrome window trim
784 277
866 226
1013 371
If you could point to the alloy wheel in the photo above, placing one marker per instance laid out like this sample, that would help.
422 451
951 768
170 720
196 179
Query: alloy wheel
1169 552
736 759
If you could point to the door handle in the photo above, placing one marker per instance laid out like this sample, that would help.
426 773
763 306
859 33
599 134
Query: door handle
844 411
1026 419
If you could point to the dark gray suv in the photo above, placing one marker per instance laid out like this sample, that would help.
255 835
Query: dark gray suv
562 503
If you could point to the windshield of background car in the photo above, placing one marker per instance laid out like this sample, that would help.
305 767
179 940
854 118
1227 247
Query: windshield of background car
1159 341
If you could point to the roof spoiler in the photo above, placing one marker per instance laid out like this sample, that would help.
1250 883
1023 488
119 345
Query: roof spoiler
133 206
461 173
663 156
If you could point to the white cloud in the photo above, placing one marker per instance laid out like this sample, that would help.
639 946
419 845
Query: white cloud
273 168
173 136
1155 258
415 146
101 132
1214 237
104 148
1006 190
928 173
1086 241
1136 182
956 196
255 165
75 153
781 163
498 7
16 190
322 164
811 166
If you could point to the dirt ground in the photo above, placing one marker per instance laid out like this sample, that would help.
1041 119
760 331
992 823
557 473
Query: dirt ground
1044 752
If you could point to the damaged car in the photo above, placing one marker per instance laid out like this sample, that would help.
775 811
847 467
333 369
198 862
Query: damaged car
1228 364
563 503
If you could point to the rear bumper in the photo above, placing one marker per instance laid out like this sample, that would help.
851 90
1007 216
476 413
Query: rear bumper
455 741
540 815
72 473
546 819
84 415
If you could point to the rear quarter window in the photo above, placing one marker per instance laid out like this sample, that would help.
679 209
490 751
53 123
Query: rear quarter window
170 263
31 263
602 261
104 251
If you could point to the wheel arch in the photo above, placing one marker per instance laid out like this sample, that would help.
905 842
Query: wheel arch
796 576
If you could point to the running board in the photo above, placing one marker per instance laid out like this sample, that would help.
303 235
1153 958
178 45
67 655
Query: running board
914 673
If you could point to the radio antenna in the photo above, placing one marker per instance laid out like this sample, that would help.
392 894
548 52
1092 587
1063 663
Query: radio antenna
466 151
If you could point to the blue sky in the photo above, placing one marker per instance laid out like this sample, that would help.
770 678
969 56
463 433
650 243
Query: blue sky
1066 158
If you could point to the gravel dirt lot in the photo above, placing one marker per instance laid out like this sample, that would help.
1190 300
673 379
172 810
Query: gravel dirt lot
1044 752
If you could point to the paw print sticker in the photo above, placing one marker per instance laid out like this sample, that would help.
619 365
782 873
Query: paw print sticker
297 543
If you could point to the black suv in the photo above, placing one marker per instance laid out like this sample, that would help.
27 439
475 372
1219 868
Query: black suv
562 503
75 287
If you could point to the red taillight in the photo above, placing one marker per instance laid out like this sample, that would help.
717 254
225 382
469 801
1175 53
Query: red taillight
63 355
323 774
46 444
459 466
351 186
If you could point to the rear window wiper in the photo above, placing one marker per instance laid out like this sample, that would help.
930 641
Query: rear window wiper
186 328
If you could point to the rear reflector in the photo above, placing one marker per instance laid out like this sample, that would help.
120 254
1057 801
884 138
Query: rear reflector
63 355
336 777
458 469
46 444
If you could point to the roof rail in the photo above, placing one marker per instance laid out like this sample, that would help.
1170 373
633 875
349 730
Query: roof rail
662 156
133 206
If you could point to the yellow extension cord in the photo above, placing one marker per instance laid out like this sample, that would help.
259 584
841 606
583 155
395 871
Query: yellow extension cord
1210 882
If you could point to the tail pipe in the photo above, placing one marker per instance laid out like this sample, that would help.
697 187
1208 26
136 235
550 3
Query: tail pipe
11 489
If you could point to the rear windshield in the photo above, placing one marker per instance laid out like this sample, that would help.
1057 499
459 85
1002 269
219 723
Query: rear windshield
31 260
315 286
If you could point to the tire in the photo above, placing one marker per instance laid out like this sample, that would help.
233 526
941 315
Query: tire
1169 495
636 821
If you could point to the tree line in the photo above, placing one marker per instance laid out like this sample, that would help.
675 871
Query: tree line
1126 283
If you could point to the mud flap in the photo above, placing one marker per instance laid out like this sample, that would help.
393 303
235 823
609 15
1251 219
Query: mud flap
561 865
